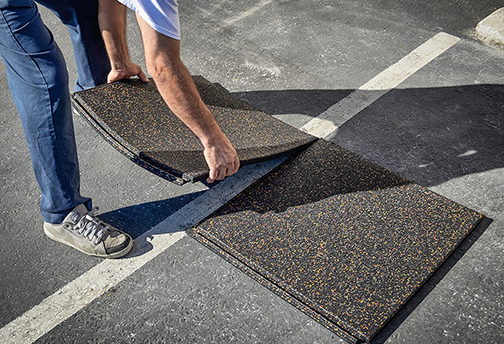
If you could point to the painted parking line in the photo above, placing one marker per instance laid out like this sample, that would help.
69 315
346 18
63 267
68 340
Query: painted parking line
491 29
329 121
67 301
247 12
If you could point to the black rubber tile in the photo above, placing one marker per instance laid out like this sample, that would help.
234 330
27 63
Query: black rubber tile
342 239
133 117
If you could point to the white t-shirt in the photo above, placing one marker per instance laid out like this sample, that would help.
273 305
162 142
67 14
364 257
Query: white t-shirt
161 15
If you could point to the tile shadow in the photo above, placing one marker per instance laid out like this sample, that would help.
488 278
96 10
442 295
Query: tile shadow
138 219
427 135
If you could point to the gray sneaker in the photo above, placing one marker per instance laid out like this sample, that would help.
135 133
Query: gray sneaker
83 231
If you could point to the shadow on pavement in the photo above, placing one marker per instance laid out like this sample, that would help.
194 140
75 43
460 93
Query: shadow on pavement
138 219
427 135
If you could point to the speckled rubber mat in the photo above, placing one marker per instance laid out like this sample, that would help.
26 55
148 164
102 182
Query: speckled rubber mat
133 117
342 239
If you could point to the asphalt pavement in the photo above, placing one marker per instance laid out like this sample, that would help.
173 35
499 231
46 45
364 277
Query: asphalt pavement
441 125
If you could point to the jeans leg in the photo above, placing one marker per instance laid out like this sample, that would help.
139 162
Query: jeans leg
81 18
38 81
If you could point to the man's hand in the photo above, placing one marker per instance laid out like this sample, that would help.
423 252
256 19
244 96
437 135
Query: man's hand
126 72
221 159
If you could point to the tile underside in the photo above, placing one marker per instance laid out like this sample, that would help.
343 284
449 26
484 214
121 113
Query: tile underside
137 121
347 240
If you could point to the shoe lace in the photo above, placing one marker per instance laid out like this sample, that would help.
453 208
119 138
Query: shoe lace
90 227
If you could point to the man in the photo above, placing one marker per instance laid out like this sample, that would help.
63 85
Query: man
38 81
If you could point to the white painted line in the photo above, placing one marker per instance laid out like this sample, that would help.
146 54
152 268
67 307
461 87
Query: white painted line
319 127
491 29
327 122
67 301
248 12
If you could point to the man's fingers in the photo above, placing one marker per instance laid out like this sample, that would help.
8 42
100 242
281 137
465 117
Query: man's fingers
111 77
232 168
212 175
221 165
221 173
142 76
236 165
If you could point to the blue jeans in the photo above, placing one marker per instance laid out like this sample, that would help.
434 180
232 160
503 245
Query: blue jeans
38 81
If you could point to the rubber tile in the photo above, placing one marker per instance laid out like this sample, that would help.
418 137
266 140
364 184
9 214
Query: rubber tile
342 239
134 158
134 118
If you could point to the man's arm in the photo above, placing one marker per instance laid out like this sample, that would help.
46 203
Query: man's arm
173 81
112 21
177 88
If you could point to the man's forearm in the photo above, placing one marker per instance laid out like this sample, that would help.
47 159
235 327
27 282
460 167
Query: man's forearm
177 88
112 21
